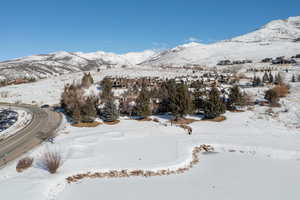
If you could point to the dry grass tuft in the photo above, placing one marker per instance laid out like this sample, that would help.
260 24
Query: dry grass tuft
51 160
24 164
112 123
184 121
146 119
281 90
87 125
217 119
156 120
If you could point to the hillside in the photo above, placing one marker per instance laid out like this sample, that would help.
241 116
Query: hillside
58 63
277 38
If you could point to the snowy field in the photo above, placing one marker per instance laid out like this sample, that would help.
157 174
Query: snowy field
219 176
257 154
257 157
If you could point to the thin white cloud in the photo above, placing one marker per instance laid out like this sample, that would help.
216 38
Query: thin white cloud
192 39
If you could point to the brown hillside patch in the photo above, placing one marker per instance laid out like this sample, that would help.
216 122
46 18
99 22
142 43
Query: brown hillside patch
87 125
112 123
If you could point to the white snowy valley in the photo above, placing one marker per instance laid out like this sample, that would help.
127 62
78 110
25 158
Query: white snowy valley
166 149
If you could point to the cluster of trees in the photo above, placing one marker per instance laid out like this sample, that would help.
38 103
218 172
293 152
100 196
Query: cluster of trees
294 79
172 97
179 100
267 78
79 107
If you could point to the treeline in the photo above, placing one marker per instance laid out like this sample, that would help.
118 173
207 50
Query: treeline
267 78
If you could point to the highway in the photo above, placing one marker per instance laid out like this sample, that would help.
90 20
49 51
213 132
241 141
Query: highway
44 123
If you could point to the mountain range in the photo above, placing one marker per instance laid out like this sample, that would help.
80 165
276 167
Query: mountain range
277 38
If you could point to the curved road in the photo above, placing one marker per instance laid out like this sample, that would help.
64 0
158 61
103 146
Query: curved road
44 123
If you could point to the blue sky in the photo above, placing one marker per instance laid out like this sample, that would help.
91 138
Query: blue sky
40 26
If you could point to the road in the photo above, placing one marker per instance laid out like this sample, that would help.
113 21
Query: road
44 123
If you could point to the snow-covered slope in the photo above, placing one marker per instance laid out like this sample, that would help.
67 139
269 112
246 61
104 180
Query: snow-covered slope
277 38
276 30
45 65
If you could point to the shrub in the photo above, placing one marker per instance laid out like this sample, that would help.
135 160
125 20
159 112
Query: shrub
51 161
272 97
24 163
281 90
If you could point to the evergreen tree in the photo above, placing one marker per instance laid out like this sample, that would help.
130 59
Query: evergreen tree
107 93
181 102
76 116
259 82
266 78
236 97
278 79
254 82
142 107
110 111
271 78
166 93
272 97
214 106
298 78
293 78
88 111
198 95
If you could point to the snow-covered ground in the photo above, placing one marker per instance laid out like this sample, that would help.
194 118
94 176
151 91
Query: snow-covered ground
249 150
218 176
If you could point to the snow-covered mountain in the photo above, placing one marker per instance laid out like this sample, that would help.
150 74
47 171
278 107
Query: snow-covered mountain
277 38
277 30
45 65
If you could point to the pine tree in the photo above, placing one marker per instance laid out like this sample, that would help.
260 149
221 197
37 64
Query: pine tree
76 116
107 93
214 106
272 97
198 95
142 107
181 101
110 111
266 78
236 97
271 78
254 82
88 111
259 82
278 79
166 93
293 78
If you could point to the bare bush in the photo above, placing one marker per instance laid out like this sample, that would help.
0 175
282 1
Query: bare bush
51 161
24 163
